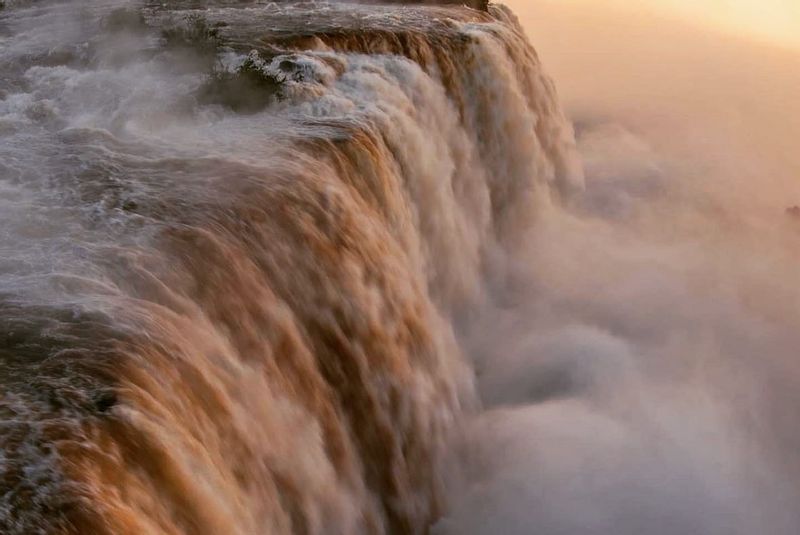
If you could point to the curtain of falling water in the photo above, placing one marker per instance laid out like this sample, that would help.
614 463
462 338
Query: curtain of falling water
216 321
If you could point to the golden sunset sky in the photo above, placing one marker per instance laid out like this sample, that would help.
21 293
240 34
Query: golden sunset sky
776 21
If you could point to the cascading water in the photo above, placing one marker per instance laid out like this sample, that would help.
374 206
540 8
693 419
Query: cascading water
238 243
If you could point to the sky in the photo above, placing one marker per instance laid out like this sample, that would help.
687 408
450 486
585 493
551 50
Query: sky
772 20
776 21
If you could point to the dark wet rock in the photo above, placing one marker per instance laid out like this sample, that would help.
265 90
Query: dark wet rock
130 205
247 90
105 401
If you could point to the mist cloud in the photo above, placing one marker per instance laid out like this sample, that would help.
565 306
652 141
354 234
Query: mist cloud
642 378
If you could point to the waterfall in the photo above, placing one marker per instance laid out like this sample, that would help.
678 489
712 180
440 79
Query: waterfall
239 242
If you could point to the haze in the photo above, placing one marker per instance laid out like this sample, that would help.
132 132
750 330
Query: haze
776 21
642 378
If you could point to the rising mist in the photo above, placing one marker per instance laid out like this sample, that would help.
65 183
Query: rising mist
642 375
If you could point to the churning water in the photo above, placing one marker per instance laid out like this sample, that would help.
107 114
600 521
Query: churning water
272 268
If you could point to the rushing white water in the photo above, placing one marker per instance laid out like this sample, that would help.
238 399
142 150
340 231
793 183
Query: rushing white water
333 268
237 317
